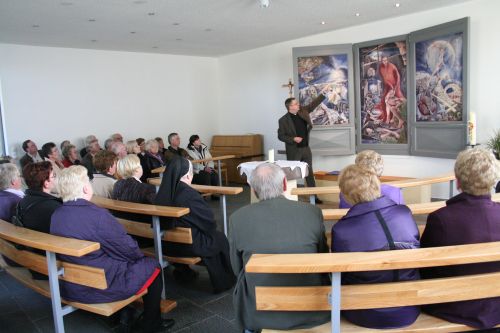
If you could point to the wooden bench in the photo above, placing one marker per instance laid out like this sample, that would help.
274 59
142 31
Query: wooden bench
223 191
142 229
356 297
313 191
55 269
416 209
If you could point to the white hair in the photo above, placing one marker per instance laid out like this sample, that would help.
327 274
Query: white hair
8 173
71 182
267 181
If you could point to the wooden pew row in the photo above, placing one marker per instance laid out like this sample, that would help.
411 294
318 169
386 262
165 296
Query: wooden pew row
313 191
218 159
355 297
416 209
135 228
55 269
223 191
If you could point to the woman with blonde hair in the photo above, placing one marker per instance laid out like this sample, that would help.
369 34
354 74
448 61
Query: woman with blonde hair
374 223
371 160
130 187
469 217
128 271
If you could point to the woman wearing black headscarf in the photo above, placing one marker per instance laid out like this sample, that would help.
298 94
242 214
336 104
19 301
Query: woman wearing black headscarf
208 243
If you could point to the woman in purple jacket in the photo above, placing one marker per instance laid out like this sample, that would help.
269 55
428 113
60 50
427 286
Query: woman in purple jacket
374 223
128 271
371 160
469 217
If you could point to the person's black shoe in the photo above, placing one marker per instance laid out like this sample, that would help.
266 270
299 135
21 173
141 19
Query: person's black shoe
318 201
164 325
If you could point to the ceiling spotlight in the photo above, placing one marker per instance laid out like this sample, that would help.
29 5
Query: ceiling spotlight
357 14
323 22
396 5
264 3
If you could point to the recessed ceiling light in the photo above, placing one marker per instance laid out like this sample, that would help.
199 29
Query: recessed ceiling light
94 40
132 32
357 14
208 29
151 14
178 39
323 22
397 5
35 26
140 2
154 47
66 3
91 20
175 23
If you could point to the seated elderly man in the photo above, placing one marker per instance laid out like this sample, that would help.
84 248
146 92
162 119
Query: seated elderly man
469 217
104 180
174 149
274 225
92 147
371 160
10 190
33 155
119 149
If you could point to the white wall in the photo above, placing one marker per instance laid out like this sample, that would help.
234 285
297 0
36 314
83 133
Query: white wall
252 98
53 94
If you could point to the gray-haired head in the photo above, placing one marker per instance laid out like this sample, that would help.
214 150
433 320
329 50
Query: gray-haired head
8 173
89 140
267 181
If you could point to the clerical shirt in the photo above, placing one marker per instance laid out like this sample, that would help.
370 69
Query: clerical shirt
301 129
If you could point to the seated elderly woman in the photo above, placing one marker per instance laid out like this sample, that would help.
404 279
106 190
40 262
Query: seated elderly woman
469 217
104 180
152 160
204 173
130 188
128 271
208 243
374 223
371 160
10 190
50 153
132 147
70 156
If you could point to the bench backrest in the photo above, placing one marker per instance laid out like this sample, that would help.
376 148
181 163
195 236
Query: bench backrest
226 190
377 295
79 274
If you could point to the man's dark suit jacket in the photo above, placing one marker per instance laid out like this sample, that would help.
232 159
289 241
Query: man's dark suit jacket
286 130
26 159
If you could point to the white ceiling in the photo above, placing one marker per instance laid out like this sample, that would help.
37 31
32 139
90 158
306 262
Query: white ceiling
189 27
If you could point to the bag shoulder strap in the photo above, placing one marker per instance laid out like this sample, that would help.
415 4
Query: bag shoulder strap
390 240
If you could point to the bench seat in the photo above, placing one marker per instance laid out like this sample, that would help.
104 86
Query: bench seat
150 252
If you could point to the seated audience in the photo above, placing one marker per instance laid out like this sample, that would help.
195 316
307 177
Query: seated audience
204 173
374 223
70 156
152 160
274 225
208 243
133 147
91 149
50 153
142 145
469 217
36 208
104 180
107 144
174 150
119 149
10 190
128 271
161 146
33 155
369 159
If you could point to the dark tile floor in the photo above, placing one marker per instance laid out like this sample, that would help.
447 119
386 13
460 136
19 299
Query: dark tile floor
199 310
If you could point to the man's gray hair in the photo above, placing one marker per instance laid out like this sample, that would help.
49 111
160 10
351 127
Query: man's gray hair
89 139
267 181
8 173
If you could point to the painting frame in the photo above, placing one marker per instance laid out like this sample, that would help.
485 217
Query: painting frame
336 139
360 78
444 139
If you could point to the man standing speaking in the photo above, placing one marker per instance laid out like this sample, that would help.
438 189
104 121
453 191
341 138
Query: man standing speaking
294 128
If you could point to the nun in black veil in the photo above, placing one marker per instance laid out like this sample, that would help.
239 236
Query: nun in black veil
208 243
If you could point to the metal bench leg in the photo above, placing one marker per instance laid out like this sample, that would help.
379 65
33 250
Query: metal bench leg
224 212
335 302
312 199
452 183
158 235
220 174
